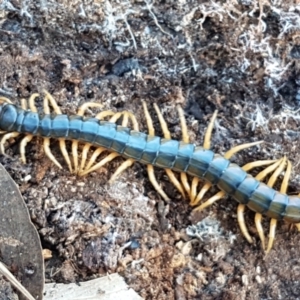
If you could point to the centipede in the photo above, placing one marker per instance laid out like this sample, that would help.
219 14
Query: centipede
192 169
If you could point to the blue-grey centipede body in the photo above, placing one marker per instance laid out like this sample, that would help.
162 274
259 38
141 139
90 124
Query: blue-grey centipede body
164 153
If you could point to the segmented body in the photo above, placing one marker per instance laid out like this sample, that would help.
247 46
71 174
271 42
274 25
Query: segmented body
163 153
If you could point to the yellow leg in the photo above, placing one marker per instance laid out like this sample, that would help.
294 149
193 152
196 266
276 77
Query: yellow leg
241 222
157 187
167 135
150 168
87 105
220 195
92 160
86 147
194 186
23 144
207 137
241 207
283 190
63 149
28 137
128 162
272 231
185 139
48 98
48 152
24 104
5 138
101 163
31 102
260 231
4 99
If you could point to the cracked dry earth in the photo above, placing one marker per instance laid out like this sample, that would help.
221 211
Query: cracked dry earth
240 57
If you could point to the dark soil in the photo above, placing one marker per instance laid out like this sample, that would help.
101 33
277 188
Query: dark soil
240 57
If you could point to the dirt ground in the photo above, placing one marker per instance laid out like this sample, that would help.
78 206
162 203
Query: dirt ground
240 57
